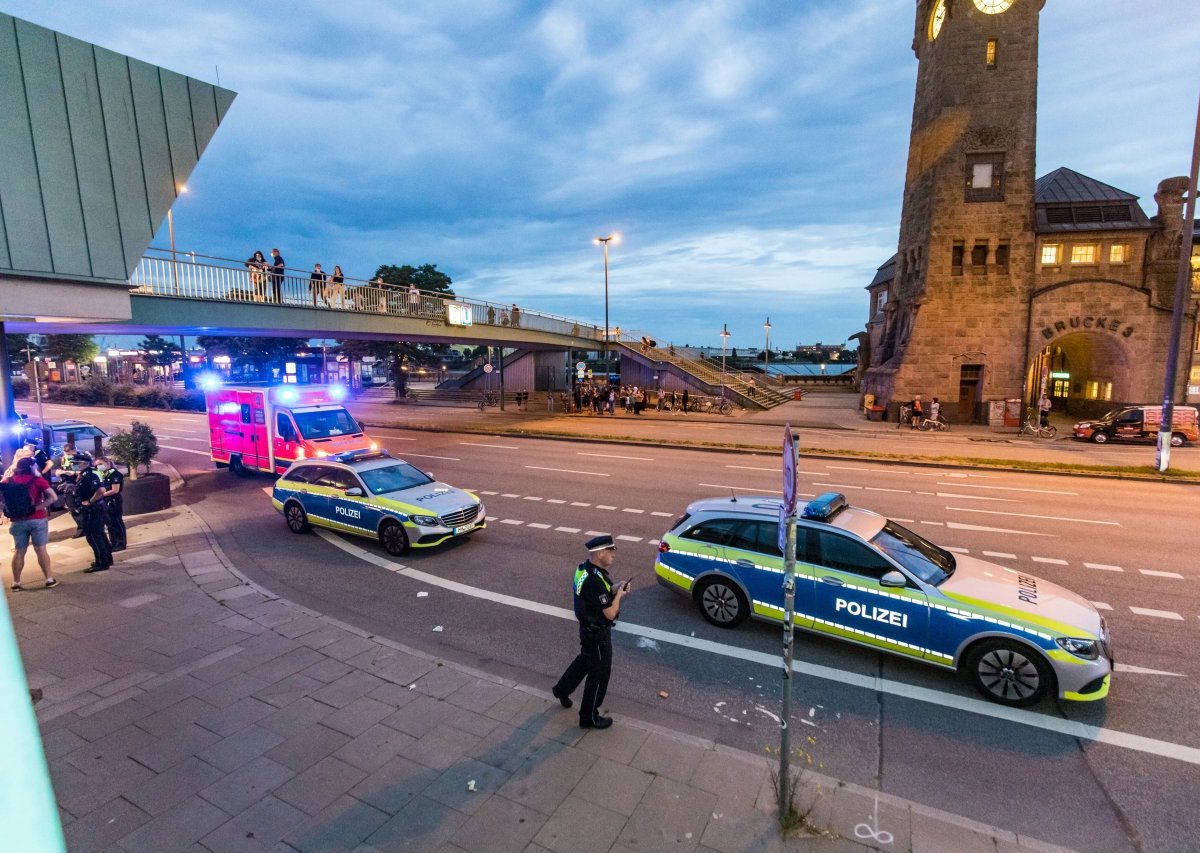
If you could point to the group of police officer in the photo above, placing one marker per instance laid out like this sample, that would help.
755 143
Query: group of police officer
94 496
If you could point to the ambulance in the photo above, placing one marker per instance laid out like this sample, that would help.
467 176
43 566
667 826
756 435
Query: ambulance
267 428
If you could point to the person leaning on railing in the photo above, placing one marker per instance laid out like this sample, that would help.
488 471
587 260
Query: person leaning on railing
257 265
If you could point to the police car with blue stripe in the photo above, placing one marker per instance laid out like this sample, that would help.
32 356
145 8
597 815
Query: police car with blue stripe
369 493
867 580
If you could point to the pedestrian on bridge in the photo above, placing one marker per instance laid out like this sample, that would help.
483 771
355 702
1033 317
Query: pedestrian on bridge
278 268
514 316
414 300
316 285
258 266
597 607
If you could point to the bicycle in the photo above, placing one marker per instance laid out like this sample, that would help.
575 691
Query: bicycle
1033 426
488 399
934 424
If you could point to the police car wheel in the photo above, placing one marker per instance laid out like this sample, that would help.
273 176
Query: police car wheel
297 519
1010 673
722 603
1100 437
393 537
1176 439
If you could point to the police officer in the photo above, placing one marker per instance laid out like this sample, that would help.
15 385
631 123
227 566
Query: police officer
89 496
114 502
597 607
69 478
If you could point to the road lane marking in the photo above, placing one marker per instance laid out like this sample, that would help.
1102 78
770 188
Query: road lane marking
431 456
1104 567
604 506
594 533
1003 555
207 453
484 492
554 501
957 550
1035 515
530 498
568 471
537 525
881 489
614 456
639 511
975 497
184 438
579 503
496 446
745 489
837 486
189 420
1152 573
1157 614
770 662
663 514
1100 605
510 521
1012 489
979 528
567 529
510 495
1053 561
1141 670
625 538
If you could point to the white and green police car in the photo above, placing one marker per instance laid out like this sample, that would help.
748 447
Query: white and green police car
369 493
869 581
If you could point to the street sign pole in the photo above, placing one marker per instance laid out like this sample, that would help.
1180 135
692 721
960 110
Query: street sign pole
787 521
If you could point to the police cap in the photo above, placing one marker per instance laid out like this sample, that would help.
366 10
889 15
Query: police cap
601 543
81 457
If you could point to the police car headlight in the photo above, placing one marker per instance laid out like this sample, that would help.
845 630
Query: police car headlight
425 520
1086 649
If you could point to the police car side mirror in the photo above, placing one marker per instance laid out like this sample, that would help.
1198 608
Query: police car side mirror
893 579
354 492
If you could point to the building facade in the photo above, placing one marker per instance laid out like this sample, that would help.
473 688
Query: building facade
1005 285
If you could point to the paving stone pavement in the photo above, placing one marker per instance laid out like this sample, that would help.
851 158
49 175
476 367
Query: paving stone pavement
188 709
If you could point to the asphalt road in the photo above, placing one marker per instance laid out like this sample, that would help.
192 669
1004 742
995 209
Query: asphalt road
1119 774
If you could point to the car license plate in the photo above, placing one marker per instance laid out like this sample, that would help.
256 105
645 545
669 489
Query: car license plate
457 530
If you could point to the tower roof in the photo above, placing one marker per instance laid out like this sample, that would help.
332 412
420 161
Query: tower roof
1069 201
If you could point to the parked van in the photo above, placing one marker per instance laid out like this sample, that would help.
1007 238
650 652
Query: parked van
1141 423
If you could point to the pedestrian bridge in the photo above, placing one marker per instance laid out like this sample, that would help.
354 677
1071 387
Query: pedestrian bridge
193 294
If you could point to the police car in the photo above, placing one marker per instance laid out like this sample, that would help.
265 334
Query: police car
369 493
869 581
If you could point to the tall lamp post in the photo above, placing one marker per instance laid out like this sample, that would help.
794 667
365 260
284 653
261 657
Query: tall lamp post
724 340
767 348
604 241
181 189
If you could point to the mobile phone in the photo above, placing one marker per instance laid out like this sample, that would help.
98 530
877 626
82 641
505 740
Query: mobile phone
625 585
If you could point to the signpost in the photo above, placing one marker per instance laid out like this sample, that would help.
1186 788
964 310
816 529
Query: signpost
787 535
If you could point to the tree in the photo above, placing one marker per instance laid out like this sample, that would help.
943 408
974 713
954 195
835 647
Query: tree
159 351
426 277
134 448
79 349
16 350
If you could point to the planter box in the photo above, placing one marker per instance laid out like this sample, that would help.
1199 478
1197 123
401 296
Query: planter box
148 493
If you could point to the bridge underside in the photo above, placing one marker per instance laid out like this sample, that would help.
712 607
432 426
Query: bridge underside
180 316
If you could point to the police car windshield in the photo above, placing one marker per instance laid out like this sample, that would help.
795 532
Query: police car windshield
393 478
920 556
326 424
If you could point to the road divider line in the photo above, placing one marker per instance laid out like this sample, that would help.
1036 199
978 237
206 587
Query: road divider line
495 446
876 684
1053 561
663 514
1003 555
637 511
1104 567
555 501
614 456
537 525
976 497
624 537
431 456
881 489
978 528
567 529
510 521
568 471
1034 515
1157 614
746 489
604 506
187 450
1156 574
530 498
1100 605
1012 489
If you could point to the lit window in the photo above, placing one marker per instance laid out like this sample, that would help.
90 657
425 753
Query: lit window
984 177
1051 254
1118 253
991 53
1083 253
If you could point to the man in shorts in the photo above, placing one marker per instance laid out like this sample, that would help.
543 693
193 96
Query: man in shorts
33 527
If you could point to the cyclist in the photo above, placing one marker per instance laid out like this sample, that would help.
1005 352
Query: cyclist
1044 406
935 410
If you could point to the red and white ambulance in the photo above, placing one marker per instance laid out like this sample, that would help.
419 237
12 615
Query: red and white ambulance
267 428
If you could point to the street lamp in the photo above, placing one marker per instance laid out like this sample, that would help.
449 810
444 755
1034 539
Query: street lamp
767 348
724 340
180 190
604 241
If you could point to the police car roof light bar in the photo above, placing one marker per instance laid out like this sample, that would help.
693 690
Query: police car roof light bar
824 506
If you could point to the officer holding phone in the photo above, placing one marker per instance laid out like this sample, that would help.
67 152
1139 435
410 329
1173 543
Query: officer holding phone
597 607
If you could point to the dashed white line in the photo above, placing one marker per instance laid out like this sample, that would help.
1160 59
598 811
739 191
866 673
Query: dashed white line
579 503
1158 614
483 492
957 550
1010 489
934 523
510 521
537 525
530 498
975 497
604 506
554 501
567 529
568 471
625 538
881 489
1003 555
978 528
613 456
495 446
638 511
1034 515
663 514
510 495
837 486
744 489
1100 605
1154 574
593 533
1104 567
1053 561
431 456
187 450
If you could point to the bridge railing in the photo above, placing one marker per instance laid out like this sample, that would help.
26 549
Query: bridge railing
189 275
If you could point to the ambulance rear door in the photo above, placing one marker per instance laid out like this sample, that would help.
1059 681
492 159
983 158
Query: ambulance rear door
256 445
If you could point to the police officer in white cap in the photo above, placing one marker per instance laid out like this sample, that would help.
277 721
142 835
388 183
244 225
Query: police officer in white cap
597 607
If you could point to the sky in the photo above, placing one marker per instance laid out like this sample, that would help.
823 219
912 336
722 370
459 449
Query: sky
750 154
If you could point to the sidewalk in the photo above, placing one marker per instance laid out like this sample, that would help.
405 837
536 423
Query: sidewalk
185 706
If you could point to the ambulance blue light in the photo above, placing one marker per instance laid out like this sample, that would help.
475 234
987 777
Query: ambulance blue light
825 506
287 395
209 381
337 392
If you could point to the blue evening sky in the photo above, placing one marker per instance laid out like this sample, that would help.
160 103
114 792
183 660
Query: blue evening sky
750 154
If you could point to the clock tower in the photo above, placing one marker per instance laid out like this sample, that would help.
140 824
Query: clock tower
943 314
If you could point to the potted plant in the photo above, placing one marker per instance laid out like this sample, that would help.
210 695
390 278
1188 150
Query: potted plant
148 491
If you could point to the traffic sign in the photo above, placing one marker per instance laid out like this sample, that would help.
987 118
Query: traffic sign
487 368
789 470
580 366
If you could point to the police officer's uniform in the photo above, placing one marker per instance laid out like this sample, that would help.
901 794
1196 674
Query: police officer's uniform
93 513
115 507
594 592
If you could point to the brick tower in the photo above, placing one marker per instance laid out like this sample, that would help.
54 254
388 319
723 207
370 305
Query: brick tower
946 314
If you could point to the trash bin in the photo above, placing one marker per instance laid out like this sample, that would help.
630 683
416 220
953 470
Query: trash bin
876 413
797 394
1012 412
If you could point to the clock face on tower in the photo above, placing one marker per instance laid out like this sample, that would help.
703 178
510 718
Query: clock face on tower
993 7
938 17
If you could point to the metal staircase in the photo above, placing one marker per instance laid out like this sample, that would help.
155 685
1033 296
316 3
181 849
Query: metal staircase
737 384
